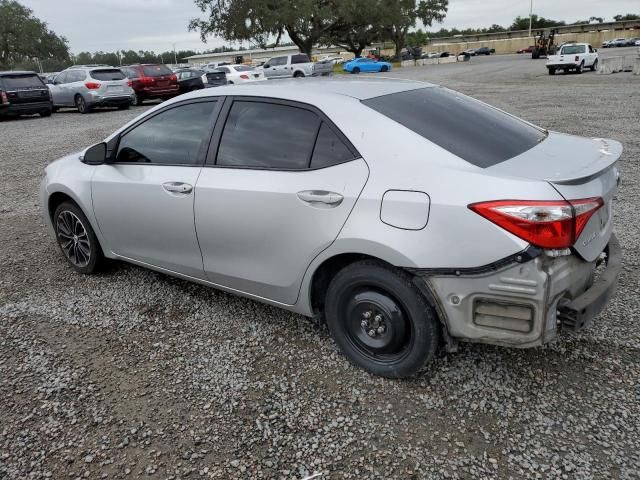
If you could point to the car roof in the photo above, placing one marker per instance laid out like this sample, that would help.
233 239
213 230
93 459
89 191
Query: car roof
17 72
294 89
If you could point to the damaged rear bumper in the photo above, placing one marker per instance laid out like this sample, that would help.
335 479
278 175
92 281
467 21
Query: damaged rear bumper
524 301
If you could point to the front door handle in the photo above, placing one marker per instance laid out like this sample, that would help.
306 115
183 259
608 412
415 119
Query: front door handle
178 188
320 197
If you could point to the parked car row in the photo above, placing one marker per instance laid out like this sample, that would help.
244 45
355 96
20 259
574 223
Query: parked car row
621 42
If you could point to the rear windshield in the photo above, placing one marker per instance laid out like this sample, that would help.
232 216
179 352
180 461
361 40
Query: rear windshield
21 81
573 49
156 70
107 74
475 132
242 68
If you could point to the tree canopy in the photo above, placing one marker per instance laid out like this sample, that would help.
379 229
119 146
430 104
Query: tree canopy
353 24
23 37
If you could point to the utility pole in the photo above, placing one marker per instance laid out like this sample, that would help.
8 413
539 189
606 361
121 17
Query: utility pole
175 59
530 16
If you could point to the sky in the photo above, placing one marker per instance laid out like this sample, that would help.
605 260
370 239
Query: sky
109 25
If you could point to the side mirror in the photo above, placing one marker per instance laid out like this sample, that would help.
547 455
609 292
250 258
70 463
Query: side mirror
95 155
595 49
266 65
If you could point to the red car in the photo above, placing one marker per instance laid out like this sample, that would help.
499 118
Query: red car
152 81
528 49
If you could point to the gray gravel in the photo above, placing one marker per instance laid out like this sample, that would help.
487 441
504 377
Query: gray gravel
132 374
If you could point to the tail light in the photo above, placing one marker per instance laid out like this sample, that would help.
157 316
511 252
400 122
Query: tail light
146 80
204 78
130 83
173 78
4 99
244 77
577 58
544 224
92 85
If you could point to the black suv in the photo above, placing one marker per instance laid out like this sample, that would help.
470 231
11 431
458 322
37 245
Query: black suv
24 93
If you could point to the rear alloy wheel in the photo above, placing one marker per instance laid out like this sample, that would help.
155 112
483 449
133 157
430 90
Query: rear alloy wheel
81 105
552 71
580 68
76 238
46 113
356 70
384 68
380 321
594 67
298 75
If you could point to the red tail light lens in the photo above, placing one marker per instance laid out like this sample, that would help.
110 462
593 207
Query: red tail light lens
130 83
244 77
146 80
92 85
544 224
173 78
4 98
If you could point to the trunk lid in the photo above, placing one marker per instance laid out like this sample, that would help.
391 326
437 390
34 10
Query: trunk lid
577 168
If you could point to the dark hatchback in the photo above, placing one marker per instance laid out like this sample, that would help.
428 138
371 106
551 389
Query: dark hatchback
150 81
24 93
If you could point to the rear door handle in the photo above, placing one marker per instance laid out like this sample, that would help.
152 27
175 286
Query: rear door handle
320 197
178 188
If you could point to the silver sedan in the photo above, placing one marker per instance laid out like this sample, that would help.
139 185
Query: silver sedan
405 215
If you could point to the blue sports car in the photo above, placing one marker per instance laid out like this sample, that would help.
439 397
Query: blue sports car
359 64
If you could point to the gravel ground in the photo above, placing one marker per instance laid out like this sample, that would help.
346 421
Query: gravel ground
133 374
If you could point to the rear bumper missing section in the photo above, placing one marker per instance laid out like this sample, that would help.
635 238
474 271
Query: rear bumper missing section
522 303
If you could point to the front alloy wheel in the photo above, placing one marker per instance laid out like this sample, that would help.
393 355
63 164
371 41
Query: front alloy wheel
76 238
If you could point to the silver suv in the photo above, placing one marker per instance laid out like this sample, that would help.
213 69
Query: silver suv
89 86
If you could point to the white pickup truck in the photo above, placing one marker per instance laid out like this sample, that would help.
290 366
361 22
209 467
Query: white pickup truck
573 56
298 65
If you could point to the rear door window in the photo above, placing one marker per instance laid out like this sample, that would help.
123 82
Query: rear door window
107 74
476 132
329 149
301 58
267 135
156 70
21 81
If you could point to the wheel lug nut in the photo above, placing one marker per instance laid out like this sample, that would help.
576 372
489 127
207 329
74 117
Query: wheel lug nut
380 329
378 318
372 333
366 314
363 323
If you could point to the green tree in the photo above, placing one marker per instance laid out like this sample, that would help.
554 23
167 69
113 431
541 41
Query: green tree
628 16
359 24
24 37
306 22
401 15
522 23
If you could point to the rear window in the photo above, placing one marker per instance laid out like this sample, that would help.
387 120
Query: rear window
156 70
475 132
301 58
242 68
21 81
107 74
573 49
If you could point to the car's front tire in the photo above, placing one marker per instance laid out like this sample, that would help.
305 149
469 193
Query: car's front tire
384 69
355 70
76 238
380 320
